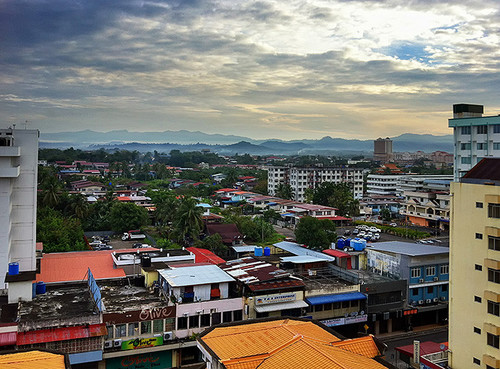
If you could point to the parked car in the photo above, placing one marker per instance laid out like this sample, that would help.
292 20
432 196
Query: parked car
347 232
355 231
133 235
393 224
361 233
106 247
376 236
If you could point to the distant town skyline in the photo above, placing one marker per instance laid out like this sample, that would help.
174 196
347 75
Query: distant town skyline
261 69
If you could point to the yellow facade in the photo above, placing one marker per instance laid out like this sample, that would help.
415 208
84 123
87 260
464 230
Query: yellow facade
470 290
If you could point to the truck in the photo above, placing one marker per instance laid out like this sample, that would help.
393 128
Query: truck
133 235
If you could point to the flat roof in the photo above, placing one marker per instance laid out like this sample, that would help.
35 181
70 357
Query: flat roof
408 248
195 275
298 250
118 298
302 259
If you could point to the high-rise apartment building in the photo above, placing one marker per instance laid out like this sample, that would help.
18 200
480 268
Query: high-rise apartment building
382 150
474 316
475 136
302 178
18 183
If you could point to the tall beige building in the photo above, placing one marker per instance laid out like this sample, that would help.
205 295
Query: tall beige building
475 268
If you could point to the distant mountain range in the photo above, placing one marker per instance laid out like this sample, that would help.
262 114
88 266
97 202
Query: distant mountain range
166 141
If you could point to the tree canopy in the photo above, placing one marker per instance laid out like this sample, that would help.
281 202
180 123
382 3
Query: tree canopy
318 234
125 216
336 195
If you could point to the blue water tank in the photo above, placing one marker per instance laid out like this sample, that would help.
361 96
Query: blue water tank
33 290
41 288
358 244
258 251
267 251
14 268
340 243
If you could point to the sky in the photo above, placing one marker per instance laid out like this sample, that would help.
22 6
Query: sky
263 69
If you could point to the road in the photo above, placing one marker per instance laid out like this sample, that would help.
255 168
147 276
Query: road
437 334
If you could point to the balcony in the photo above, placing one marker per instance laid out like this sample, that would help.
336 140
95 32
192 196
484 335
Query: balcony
12 151
10 172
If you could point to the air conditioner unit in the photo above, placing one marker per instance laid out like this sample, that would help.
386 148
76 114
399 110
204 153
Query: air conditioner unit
428 301
199 311
168 336
420 302
443 298
435 299
108 344
117 343
421 280
413 302
436 279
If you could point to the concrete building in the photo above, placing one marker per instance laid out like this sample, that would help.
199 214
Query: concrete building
302 178
475 136
382 150
382 184
474 319
18 183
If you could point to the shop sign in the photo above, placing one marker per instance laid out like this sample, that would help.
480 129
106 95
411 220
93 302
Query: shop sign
142 343
153 360
342 321
274 299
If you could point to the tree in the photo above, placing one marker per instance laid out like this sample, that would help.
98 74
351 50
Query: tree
318 234
261 187
385 214
51 188
188 222
284 191
78 206
125 216
337 195
58 233
214 243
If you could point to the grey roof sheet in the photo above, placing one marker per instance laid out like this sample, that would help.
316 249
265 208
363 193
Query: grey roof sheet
298 250
408 248
195 275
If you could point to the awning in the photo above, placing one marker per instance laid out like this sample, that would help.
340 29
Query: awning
280 306
61 334
338 297
288 215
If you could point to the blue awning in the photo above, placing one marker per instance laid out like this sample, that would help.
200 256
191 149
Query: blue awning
271 203
338 297
288 215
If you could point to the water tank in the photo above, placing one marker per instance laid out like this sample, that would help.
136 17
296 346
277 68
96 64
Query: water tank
267 251
258 251
14 268
33 290
358 244
41 288
340 243
146 261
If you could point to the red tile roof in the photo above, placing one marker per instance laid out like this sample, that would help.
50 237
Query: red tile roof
72 266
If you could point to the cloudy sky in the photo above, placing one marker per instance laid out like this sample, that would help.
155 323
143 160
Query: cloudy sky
263 69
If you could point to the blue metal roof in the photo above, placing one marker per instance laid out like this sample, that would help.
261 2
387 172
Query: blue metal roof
337 297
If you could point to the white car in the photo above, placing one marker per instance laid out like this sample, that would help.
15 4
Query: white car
376 236
361 234
374 229
393 224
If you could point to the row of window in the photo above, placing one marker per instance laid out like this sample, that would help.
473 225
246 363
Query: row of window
430 271
430 290
140 328
479 146
480 130
333 306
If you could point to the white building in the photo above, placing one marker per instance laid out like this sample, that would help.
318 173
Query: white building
18 183
301 178
382 184
475 136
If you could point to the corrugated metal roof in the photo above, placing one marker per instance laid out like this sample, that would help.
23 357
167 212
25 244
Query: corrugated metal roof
302 259
337 297
408 248
195 275
296 249
336 253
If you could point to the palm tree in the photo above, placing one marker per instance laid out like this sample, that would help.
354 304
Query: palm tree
78 206
189 222
50 191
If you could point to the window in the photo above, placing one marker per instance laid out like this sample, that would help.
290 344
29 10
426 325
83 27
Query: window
262 315
194 321
482 130
465 130
205 320
328 306
477 330
216 318
465 160
465 146
318 308
496 145
481 146
444 288
237 315
444 269
492 340
479 205
430 270
477 299
226 316
182 323
415 272
479 236
414 291
169 324
496 128
133 329
345 304
494 210
494 243
120 330
157 325
493 275
430 289
478 267
109 328
493 308
476 361
146 327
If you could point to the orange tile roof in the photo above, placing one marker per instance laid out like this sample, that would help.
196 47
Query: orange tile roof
32 360
289 343
72 266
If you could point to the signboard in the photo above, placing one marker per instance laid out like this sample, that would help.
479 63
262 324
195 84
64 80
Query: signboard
275 299
416 351
140 315
384 264
139 343
345 320
153 360
94 290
